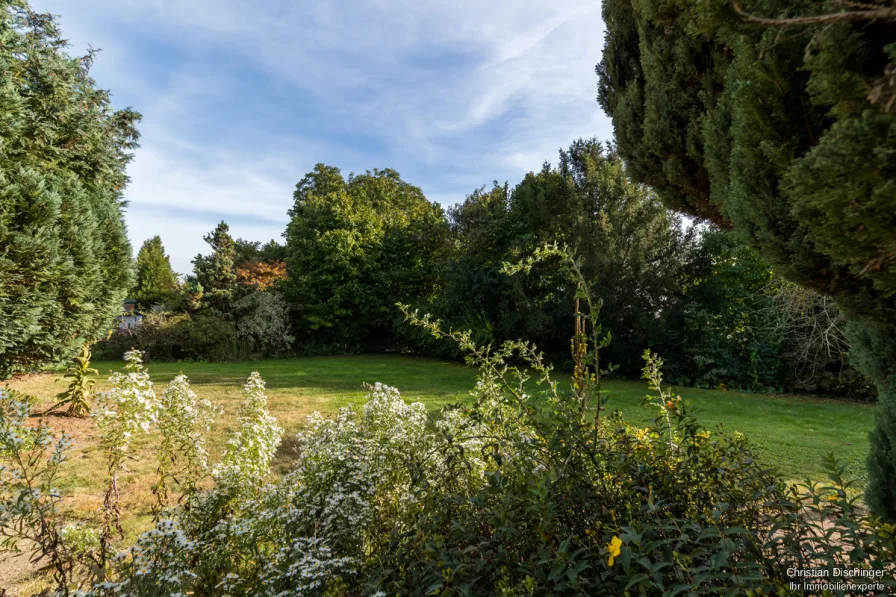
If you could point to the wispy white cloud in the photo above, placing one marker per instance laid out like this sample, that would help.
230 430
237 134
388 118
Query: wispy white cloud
241 98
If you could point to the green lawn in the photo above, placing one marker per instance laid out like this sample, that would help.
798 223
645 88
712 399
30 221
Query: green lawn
790 433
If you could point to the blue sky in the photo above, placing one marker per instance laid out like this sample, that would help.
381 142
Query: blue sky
241 98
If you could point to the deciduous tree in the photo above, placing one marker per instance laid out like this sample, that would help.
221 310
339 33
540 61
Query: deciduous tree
632 249
355 247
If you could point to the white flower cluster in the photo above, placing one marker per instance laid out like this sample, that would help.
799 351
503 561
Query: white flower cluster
389 418
249 452
183 421
78 537
127 409
157 565
351 471
359 477
313 567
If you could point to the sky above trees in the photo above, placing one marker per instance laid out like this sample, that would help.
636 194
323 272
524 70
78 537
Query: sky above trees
240 99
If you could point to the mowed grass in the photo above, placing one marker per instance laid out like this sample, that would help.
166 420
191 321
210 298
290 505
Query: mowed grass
789 433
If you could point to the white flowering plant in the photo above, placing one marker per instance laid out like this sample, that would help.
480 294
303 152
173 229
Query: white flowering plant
30 461
80 539
183 421
247 459
127 409
204 543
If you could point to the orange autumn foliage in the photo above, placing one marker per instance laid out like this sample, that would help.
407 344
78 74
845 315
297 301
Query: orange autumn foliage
261 275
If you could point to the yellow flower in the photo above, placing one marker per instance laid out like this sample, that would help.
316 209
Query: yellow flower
614 547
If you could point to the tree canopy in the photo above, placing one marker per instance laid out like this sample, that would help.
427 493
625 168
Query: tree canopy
65 260
775 118
249 252
631 247
355 247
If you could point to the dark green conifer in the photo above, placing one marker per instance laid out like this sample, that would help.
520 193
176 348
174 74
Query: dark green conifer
65 260
216 272
776 118
156 281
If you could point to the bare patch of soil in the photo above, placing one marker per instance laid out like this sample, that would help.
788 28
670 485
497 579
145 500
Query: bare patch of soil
15 569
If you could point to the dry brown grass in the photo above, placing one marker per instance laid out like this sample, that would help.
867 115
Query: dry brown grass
296 388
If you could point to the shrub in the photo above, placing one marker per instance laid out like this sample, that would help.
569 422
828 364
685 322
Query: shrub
209 336
161 336
262 327
113 347
205 336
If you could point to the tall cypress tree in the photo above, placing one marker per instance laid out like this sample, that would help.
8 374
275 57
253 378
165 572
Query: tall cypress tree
156 281
216 272
65 260
776 118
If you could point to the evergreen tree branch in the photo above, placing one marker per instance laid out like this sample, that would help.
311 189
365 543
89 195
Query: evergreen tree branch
885 13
